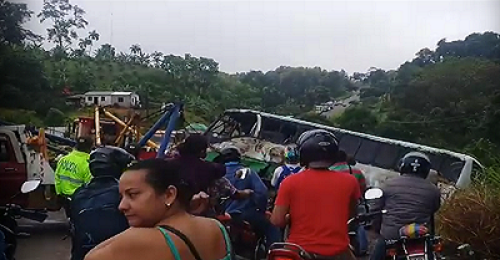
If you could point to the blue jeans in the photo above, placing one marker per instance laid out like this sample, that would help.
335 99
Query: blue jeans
379 250
2 246
261 225
362 239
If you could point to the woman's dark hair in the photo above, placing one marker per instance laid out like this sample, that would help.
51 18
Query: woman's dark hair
163 173
195 144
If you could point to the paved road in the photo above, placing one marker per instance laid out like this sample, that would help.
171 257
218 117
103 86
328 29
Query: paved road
339 108
46 240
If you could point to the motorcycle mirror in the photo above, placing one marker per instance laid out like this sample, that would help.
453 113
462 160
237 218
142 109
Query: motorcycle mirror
29 186
374 193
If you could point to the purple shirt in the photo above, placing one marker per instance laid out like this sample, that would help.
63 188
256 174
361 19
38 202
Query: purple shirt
199 173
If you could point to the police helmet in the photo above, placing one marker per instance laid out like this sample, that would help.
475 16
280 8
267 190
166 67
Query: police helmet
109 161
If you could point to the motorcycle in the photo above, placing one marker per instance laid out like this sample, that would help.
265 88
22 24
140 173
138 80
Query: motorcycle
415 243
9 215
426 247
358 247
246 243
290 251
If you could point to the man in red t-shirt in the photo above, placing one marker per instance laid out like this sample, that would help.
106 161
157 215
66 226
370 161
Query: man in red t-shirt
319 201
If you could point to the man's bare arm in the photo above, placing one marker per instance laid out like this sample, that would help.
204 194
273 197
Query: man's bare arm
279 216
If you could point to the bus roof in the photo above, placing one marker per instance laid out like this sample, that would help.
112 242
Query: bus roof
419 147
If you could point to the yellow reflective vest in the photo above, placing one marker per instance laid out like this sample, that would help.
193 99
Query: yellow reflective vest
72 172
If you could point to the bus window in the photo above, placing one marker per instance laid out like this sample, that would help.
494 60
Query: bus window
338 134
270 130
300 130
451 168
218 127
289 131
402 151
436 160
225 128
387 156
366 152
244 122
349 144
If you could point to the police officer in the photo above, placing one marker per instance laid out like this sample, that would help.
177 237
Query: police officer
73 171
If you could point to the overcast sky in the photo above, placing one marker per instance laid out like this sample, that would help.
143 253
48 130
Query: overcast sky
262 35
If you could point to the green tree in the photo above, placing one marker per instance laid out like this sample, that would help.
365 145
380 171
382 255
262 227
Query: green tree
135 51
22 81
157 57
54 117
87 42
360 119
12 16
105 52
480 45
66 20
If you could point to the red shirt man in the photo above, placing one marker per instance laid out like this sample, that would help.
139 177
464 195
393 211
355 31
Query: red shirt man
319 203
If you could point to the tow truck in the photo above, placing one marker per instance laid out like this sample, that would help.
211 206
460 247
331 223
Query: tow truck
24 153
24 156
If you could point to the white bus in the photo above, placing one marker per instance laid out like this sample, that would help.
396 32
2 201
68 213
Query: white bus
262 136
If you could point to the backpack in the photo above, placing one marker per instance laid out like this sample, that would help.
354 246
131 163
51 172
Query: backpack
286 171
95 215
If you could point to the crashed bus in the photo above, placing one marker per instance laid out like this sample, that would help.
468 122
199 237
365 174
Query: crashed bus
262 137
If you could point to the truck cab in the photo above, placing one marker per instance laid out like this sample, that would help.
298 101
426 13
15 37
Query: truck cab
19 163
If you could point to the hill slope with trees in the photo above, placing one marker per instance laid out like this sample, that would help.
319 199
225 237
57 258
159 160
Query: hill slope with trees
447 97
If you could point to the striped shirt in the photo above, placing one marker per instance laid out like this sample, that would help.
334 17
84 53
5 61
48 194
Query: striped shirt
344 167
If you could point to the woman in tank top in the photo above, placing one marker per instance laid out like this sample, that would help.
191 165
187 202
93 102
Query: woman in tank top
156 201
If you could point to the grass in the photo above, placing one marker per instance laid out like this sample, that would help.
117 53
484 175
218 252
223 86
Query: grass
472 216
20 116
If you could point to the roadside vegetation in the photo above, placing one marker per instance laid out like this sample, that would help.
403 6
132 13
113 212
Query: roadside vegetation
447 96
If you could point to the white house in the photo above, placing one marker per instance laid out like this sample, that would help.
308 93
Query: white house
110 98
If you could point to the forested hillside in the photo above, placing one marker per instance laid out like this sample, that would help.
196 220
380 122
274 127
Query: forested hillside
448 96
445 97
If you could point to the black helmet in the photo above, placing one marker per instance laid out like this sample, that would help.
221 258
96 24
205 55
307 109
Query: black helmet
84 144
109 161
133 149
228 154
317 146
415 163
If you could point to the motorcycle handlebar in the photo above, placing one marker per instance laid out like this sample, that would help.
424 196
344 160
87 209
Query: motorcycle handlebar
363 217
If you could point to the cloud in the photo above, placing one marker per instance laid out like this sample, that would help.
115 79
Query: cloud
262 35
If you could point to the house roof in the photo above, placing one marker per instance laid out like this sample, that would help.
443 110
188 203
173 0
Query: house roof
107 93
75 97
